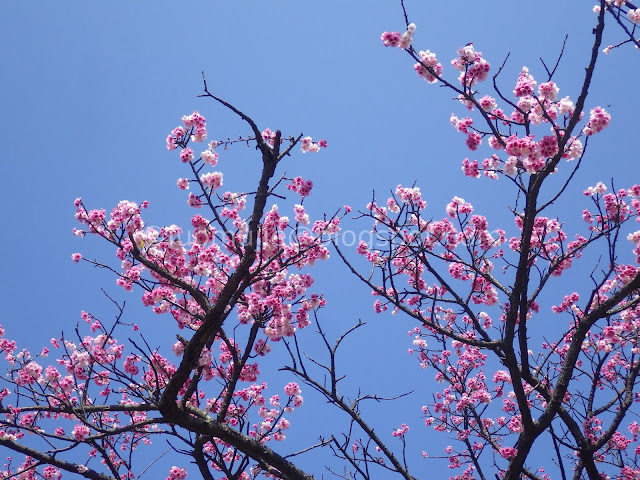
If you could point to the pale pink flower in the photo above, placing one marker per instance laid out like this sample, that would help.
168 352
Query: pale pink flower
308 145
186 155
599 189
487 103
51 473
292 389
283 424
193 120
548 91
428 67
210 157
301 215
80 432
177 473
565 106
510 166
178 348
212 179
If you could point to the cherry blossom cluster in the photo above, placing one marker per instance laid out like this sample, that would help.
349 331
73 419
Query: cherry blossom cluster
598 120
409 233
612 210
194 129
548 245
82 378
177 473
308 145
399 432
483 415
479 413
301 186
28 470
537 104
173 272
428 68
472 66
182 275
464 404
396 39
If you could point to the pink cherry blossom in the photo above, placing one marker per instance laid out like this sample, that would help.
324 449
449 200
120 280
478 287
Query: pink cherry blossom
300 186
292 389
508 452
186 155
598 120
429 68
391 39
177 473
80 432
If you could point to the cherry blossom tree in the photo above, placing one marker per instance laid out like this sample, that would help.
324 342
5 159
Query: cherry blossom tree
514 402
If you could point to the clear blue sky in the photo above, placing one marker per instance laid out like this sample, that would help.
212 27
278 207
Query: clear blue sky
89 91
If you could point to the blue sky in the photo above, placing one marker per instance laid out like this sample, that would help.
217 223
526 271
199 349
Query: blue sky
91 89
